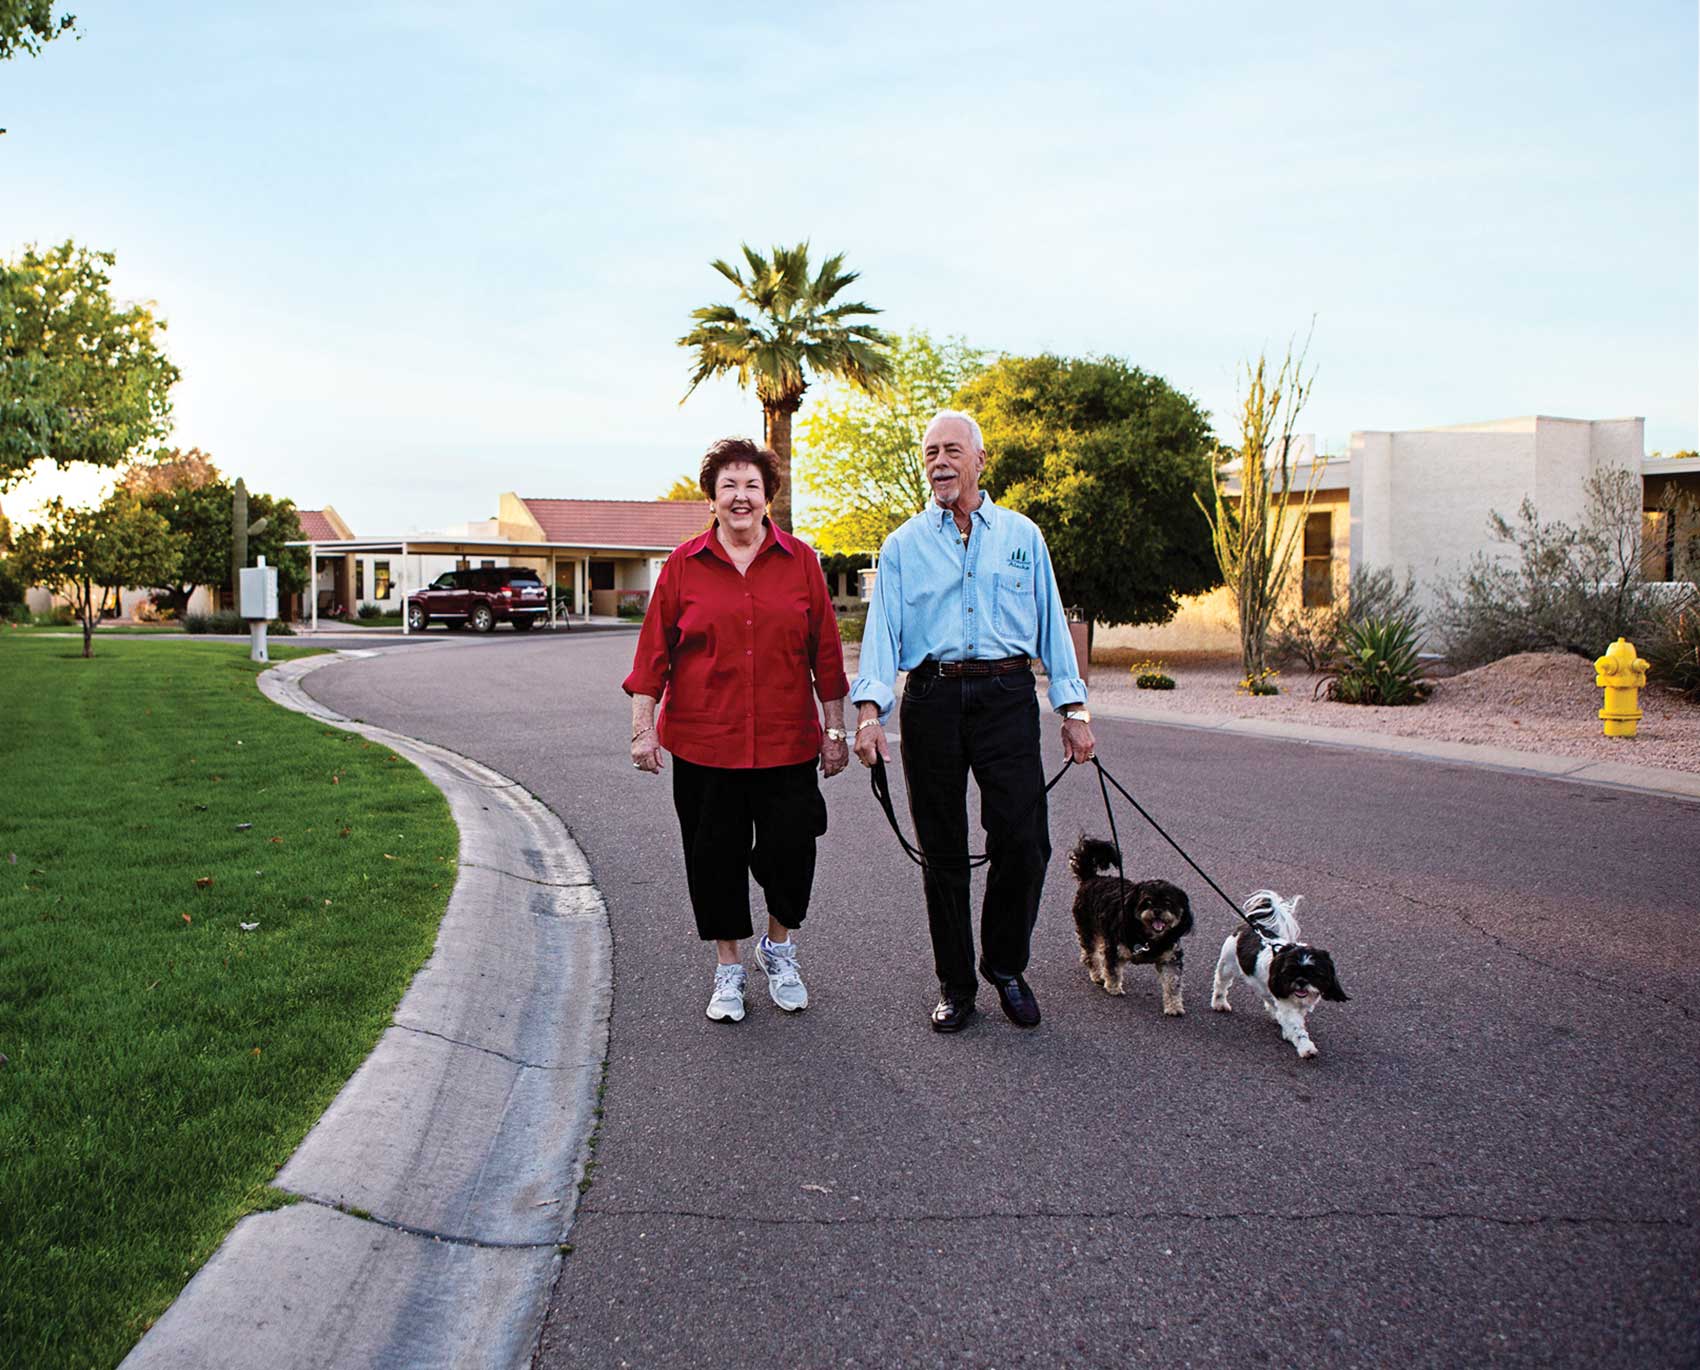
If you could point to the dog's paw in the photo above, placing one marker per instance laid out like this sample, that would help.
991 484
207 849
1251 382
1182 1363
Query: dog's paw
1221 1006
1175 1010
1307 1049
1113 989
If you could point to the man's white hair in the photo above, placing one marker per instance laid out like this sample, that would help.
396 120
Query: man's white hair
968 419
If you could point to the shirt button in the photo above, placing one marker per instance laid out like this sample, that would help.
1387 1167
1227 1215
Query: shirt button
748 621
747 652
970 608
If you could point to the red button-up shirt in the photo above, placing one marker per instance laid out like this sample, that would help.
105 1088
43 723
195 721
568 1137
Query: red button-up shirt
738 661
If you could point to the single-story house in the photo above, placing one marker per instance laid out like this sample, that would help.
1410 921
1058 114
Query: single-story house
1419 501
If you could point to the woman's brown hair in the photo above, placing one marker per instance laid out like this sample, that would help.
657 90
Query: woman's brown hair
730 451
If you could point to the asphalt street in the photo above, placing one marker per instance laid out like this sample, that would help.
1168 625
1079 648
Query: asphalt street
1493 1161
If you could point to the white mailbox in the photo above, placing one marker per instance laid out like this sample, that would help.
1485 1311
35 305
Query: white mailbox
257 599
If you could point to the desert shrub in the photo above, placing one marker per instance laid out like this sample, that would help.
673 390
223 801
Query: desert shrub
224 621
280 627
59 616
1672 650
1312 636
1260 683
632 603
369 611
1151 675
1377 662
1560 588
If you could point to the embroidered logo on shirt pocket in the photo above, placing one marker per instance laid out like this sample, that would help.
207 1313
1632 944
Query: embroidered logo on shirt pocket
1015 617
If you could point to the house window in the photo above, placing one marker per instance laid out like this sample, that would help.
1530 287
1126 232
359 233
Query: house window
1658 544
488 565
380 580
1318 573
601 575
359 580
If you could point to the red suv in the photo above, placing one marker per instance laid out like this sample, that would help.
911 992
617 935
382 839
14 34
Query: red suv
480 599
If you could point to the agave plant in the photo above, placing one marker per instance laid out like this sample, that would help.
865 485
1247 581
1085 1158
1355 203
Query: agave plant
1377 663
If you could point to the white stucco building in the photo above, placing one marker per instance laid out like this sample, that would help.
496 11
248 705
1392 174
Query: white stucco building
1419 501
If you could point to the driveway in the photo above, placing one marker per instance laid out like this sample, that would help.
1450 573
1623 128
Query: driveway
1493 1161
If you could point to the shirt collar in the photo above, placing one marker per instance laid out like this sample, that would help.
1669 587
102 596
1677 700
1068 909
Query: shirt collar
943 518
708 541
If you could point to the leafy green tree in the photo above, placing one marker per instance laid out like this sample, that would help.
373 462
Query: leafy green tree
1255 533
189 492
784 328
1109 461
83 553
859 460
81 379
26 24
684 488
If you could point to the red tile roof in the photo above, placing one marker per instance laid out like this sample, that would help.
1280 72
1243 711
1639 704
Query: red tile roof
315 527
661 524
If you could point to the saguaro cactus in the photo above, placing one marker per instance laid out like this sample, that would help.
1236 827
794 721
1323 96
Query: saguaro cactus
240 531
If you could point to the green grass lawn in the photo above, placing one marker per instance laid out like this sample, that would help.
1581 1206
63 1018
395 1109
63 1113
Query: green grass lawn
162 1063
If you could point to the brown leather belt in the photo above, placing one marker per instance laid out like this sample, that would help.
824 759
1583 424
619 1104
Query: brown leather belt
1008 665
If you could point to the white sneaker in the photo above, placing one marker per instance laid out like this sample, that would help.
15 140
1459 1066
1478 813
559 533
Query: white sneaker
778 961
726 1005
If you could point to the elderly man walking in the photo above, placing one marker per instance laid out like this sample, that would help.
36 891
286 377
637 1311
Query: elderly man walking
964 599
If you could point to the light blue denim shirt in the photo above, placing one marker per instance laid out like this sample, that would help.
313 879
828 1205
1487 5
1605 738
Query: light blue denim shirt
994 598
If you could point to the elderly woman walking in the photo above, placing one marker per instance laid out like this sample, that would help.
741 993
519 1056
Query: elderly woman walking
739 643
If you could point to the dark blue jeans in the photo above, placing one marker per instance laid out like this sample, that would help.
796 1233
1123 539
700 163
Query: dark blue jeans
987 726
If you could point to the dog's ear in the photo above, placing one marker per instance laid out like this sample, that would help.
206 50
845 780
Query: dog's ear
1330 982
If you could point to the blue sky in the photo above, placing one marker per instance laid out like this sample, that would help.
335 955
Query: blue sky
412 258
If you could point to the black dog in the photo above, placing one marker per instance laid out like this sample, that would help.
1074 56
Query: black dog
1128 922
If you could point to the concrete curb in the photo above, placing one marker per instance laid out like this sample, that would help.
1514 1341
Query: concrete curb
1614 774
442 1179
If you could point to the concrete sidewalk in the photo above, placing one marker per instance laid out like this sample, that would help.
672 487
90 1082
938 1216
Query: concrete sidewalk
438 1185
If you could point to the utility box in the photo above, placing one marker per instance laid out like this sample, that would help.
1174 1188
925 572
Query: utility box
257 594
866 576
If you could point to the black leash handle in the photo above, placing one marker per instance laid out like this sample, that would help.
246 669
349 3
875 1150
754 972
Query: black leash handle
881 783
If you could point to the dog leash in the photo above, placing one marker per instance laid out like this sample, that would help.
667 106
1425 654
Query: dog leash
882 791
881 784
1103 776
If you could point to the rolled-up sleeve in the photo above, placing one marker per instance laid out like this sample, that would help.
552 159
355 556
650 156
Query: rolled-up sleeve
652 662
827 648
1056 643
877 674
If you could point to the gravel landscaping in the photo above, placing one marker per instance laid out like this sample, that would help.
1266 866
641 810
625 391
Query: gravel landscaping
1536 702
1533 702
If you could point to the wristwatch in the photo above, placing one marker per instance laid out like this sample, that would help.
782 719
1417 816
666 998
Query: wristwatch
835 734
1078 715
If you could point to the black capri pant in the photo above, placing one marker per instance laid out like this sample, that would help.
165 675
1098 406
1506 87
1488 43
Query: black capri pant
738 823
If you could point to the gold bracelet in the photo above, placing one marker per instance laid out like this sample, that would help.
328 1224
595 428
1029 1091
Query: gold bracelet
866 723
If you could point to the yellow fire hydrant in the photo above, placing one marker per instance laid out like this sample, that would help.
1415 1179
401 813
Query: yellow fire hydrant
1620 673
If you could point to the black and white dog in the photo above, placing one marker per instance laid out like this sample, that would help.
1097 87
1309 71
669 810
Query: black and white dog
1127 922
1292 977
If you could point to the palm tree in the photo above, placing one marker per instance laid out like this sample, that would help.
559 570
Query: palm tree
782 328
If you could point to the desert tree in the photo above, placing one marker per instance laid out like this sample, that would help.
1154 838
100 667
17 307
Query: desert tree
859 454
84 553
82 378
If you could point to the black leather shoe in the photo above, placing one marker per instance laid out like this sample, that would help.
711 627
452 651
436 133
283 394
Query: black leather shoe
1019 1005
952 1013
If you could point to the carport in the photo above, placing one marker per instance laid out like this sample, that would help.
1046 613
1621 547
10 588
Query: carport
576 556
